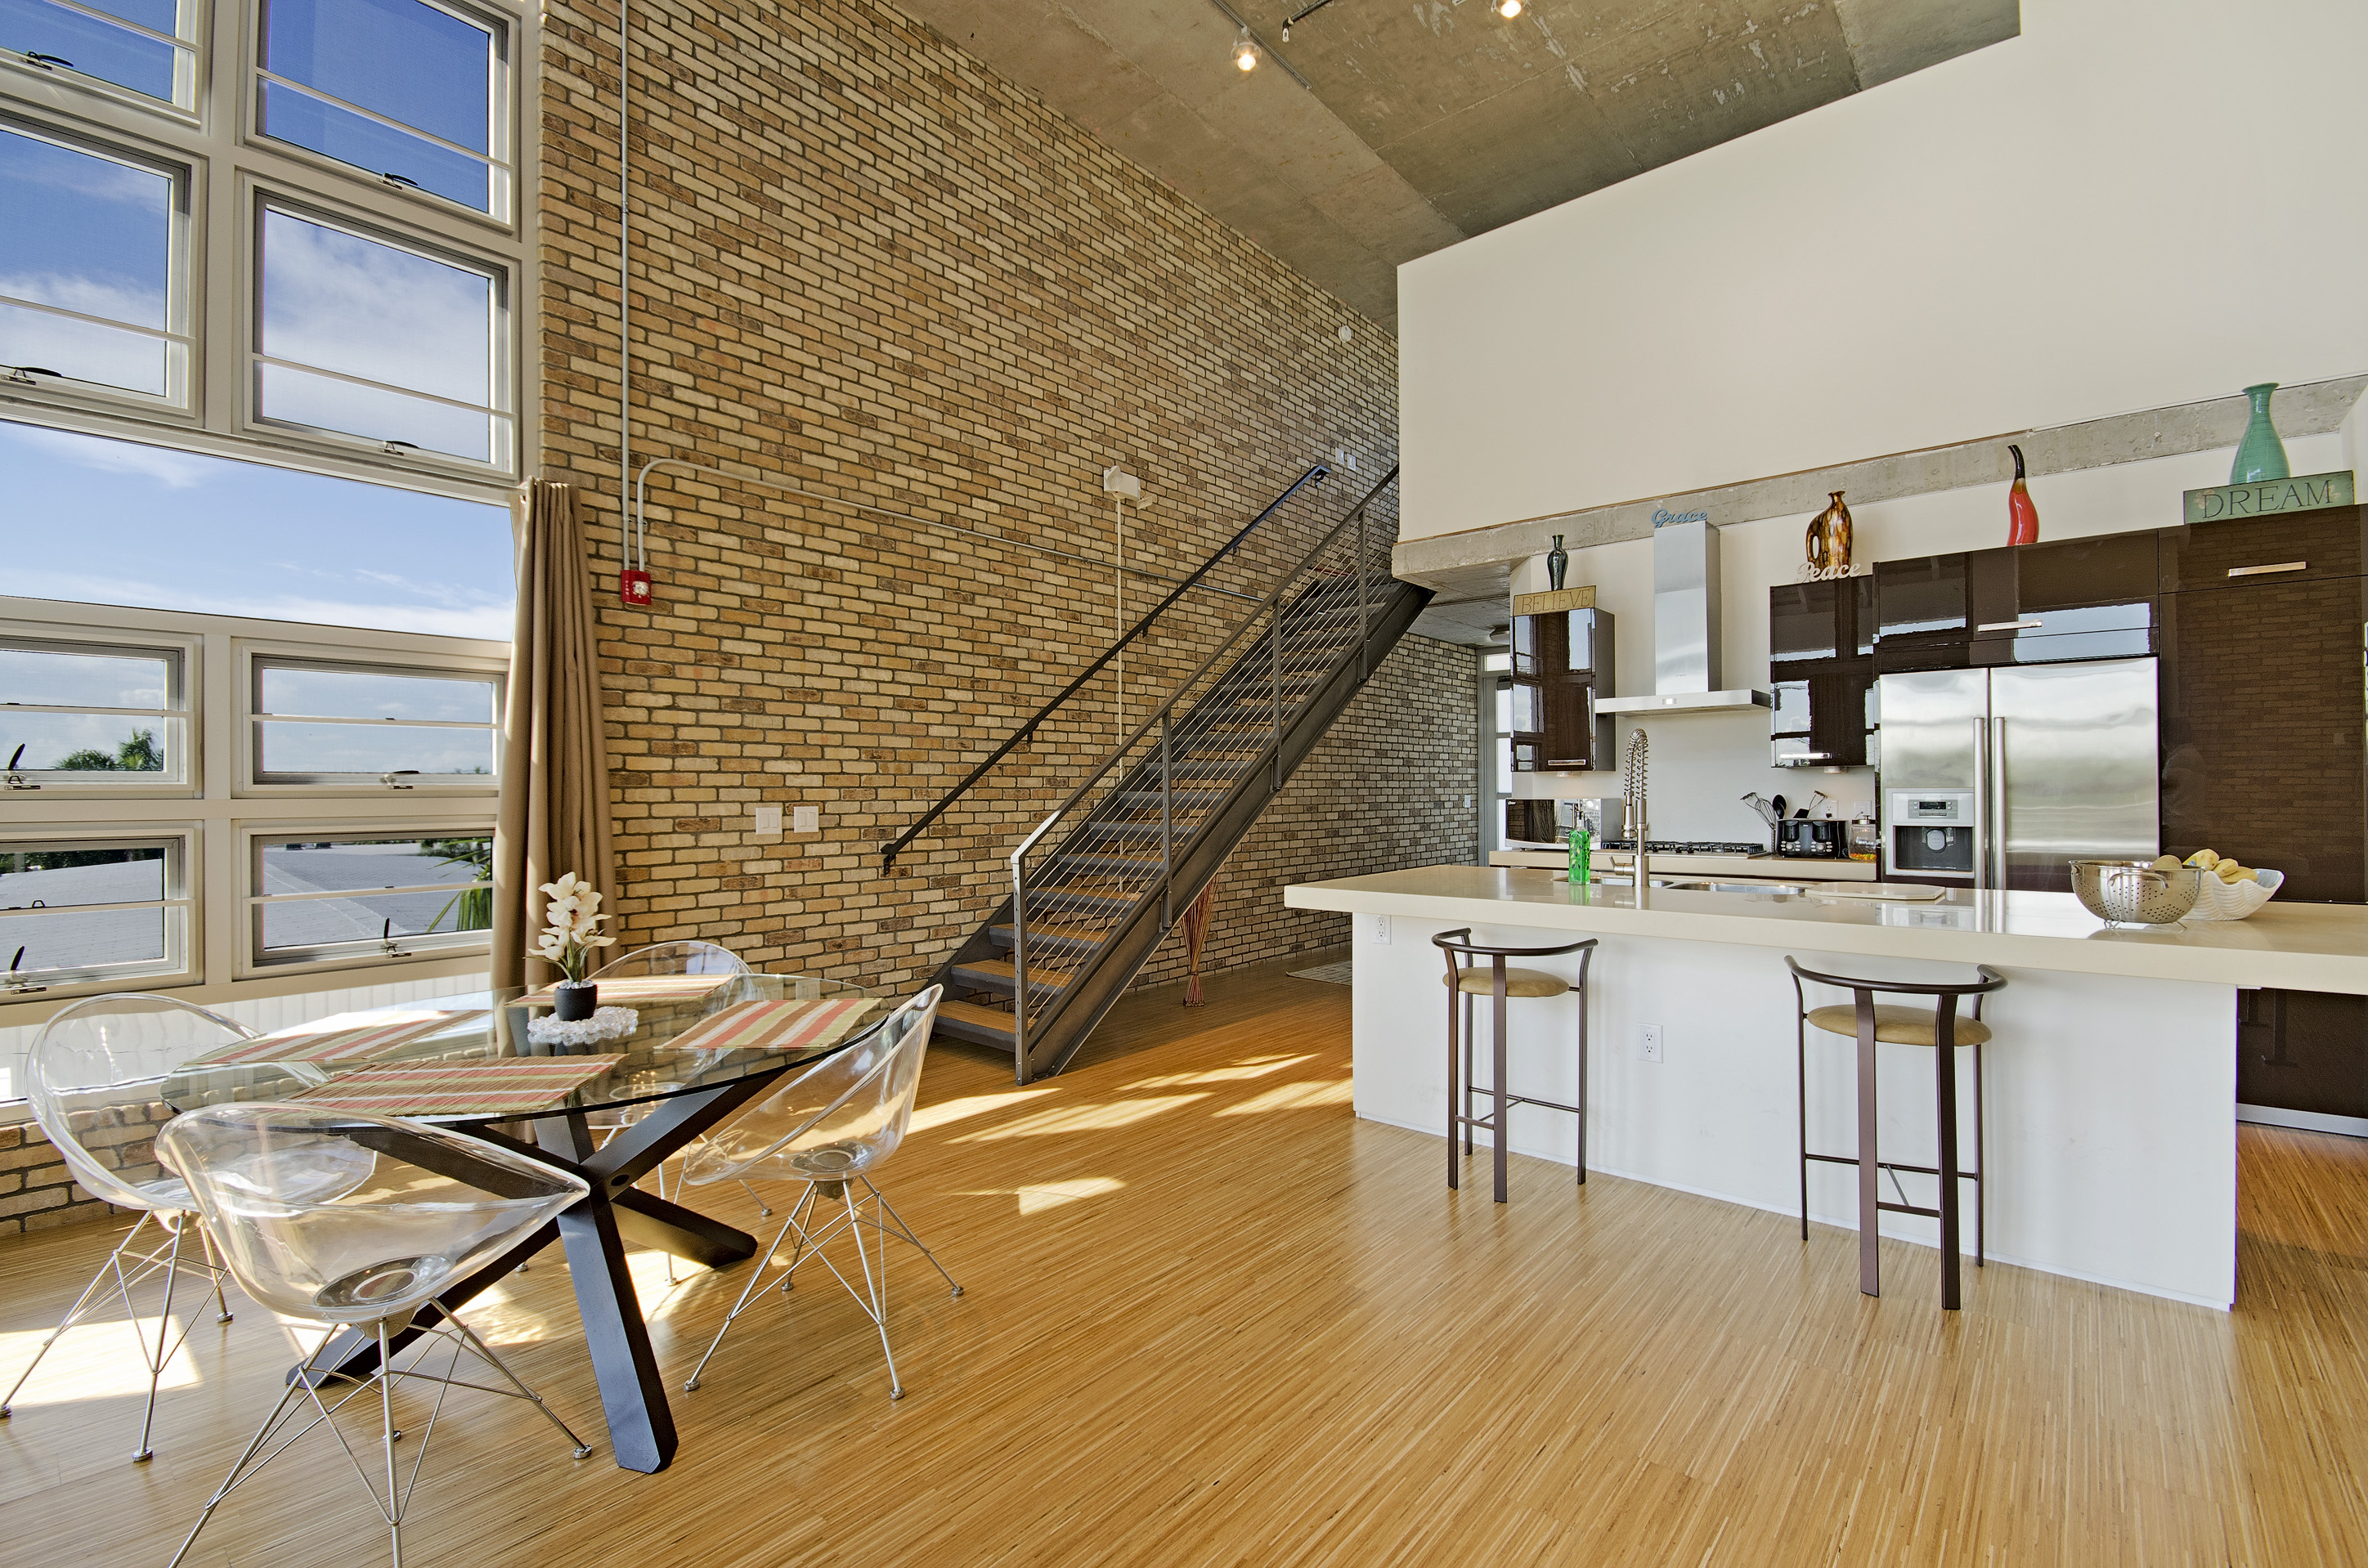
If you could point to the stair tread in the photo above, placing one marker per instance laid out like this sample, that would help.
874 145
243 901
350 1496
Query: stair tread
1001 969
986 1020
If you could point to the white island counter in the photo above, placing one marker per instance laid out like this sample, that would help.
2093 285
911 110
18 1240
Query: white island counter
2111 1086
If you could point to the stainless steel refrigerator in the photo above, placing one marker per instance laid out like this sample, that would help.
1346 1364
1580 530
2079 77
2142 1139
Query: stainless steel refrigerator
1995 777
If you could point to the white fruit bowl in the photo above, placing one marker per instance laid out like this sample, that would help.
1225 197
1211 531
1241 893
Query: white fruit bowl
2234 901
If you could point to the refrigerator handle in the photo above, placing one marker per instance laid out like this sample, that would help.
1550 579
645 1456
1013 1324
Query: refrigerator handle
1981 805
1995 761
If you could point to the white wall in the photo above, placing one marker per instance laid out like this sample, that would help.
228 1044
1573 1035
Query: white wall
1701 764
2137 203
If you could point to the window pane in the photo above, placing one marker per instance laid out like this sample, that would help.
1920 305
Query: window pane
413 64
364 694
84 680
157 16
337 301
295 748
58 936
451 869
94 236
350 138
87 743
93 47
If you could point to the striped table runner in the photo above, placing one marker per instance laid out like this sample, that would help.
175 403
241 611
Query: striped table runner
628 989
776 1026
512 1086
342 1037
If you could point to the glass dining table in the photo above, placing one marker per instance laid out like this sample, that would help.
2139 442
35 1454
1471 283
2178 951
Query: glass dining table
496 1063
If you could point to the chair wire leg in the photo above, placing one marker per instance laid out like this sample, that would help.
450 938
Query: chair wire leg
164 1347
583 1449
799 1215
877 1287
756 1278
905 1231
395 1499
214 1266
73 1314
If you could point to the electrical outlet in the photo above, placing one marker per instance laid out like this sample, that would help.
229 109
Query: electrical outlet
1649 1046
769 822
805 819
1382 930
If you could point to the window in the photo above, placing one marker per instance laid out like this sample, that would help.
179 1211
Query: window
347 241
91 909
321 898
405 91
329 724
144 46
87 261
75 715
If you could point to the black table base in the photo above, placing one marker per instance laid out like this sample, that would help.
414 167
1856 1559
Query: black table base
595 1231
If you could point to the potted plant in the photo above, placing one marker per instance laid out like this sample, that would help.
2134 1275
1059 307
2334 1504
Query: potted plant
572 931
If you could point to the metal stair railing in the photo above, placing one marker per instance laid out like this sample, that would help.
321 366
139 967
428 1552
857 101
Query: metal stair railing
1020 736
1317 611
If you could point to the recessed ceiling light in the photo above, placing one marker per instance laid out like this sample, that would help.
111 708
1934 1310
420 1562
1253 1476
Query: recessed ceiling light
1246 51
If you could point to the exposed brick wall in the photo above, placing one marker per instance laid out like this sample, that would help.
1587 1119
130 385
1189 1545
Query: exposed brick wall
866 266
36 1191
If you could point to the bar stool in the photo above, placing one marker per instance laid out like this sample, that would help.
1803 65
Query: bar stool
1466 981
1941 1031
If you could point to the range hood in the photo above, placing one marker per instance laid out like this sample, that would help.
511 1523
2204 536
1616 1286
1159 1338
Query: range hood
1686 666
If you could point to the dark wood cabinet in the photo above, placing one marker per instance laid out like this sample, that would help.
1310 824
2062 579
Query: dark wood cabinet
1923 614
2263 693
1821 673
1562 663
2067 599
2302 1051
2297 545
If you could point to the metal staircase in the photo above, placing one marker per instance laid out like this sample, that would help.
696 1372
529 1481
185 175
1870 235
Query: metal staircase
1098 883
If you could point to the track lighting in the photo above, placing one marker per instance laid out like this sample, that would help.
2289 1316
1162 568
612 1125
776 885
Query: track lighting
1246 51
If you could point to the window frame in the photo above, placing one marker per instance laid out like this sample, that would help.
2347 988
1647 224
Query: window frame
189 49
255 657
255 963
229 165
187 662
180 902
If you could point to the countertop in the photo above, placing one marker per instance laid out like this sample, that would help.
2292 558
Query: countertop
2301 947
1768 867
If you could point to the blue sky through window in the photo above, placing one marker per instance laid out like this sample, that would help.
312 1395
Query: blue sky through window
102 521
87 234
409 62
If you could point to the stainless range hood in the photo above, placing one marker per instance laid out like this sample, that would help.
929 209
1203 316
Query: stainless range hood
1686 665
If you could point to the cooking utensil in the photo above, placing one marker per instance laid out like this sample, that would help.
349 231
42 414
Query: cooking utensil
1778 803
2136 892
1766 811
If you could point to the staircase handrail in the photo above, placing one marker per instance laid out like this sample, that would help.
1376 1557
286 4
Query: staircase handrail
1119 754
889 851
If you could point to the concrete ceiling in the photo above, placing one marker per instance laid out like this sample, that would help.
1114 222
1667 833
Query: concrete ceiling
1425 121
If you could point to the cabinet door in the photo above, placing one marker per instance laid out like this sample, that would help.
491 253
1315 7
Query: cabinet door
2302 1051
2081 598
1805 624
2262 699
1922 616
2291 547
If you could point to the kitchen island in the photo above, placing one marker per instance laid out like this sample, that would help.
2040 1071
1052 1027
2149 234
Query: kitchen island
2111 1087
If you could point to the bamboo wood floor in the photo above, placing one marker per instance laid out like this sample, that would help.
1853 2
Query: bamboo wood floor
1213 1319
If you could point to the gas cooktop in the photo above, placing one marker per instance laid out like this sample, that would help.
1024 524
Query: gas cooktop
1688 846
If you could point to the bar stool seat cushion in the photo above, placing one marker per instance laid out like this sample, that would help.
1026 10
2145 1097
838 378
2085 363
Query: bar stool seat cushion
1480 980
1898 1026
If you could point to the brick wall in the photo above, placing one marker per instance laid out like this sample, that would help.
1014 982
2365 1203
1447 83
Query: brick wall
868 267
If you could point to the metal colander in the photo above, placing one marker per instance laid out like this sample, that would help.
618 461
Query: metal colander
2136 892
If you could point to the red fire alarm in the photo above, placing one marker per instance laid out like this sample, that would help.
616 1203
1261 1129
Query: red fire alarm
634 587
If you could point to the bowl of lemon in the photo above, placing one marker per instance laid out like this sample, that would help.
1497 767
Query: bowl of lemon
2229 890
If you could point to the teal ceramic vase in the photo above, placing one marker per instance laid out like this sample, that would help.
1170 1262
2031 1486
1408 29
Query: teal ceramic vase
2260 455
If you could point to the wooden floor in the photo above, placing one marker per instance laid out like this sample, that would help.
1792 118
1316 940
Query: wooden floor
1212 1319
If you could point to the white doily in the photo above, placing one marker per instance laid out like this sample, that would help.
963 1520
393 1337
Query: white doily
606 1023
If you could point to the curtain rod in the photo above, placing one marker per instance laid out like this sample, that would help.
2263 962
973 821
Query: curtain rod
639 541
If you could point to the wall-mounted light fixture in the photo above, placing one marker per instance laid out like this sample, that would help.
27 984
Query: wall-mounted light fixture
1246 51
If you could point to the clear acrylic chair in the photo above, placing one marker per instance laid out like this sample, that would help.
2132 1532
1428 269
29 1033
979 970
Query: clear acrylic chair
830 1128
670 958
432 1207
94 1076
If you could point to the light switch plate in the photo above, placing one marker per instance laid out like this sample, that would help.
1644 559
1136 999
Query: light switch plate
805 819
769 822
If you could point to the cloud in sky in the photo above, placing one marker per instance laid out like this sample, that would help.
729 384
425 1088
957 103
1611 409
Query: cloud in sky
174 471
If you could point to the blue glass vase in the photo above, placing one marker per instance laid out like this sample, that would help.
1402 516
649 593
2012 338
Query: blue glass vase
2260 455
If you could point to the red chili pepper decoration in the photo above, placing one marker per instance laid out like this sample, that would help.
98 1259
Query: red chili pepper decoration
2021 512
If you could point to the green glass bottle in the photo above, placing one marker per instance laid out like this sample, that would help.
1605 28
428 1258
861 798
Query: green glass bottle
2260 455
1582 846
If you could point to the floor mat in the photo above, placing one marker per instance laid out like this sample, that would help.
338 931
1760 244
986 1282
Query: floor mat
1341 973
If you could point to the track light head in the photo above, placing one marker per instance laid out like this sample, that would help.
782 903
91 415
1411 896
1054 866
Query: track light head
1246 51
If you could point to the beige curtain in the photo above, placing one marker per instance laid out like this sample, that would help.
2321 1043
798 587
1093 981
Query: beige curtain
554 800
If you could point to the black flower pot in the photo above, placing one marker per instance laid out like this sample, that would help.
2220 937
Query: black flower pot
577 999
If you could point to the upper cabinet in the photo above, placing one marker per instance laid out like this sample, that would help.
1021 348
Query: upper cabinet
1821 673
2066 599
2296 546
1562 664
